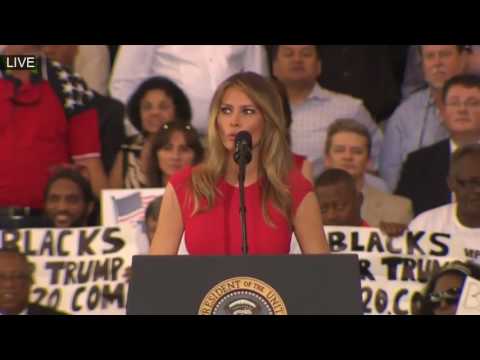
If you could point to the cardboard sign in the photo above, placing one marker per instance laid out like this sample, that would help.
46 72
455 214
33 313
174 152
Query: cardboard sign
395 270
78 271
128 207
469 303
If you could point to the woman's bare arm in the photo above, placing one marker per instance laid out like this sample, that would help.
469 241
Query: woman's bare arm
169 227
308 226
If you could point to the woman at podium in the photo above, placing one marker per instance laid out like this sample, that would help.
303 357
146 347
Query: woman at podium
204 201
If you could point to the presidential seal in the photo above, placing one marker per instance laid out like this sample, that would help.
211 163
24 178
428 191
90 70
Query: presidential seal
242 296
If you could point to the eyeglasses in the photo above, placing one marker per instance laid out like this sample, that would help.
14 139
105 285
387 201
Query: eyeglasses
469 104
16 277
450 296
167 126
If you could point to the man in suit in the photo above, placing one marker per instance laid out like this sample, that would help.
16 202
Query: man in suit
348 147
424 175
16 278
417 122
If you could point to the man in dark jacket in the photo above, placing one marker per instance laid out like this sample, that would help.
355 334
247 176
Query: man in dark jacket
424 175
16 278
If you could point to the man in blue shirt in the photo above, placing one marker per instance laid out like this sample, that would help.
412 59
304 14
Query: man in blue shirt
314 108
417 122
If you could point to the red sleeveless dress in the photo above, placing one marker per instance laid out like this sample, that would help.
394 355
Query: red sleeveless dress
218 231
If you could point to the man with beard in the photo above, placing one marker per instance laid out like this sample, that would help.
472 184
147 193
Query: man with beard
69 200
47 119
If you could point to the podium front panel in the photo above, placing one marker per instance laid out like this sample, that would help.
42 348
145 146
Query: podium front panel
295 285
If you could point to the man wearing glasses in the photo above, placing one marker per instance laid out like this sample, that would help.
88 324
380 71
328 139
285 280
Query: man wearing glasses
16 278
417 122
424 175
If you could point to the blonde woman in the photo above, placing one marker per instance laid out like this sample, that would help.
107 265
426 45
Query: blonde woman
203 201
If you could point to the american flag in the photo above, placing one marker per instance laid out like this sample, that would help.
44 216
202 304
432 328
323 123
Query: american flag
71 89
131 208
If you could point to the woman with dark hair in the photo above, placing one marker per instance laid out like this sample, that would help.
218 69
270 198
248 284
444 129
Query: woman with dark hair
174 147
442 293
156 102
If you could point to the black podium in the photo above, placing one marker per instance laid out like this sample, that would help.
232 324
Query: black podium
257 285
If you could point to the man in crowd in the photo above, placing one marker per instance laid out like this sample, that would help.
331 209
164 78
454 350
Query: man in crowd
340 201
69 200
196 69
46 119
90 62
424 175
417 122
414 79
461 220
313 107
16 279
110 111
348 147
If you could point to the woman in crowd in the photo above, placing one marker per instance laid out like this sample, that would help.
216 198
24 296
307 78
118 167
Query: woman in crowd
174 147
203 201
442 293
156 102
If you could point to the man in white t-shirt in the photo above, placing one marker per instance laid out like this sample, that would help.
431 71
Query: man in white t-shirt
460 220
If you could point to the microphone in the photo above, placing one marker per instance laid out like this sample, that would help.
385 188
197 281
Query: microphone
243 156
243 148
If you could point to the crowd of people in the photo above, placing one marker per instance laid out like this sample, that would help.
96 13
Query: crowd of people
366 136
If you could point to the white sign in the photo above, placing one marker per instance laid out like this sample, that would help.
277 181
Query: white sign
395 270
469 303
78 271
128 207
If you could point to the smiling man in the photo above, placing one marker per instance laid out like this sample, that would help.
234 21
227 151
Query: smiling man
47 119
69 200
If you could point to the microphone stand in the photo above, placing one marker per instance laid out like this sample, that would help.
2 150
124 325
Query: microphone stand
243 209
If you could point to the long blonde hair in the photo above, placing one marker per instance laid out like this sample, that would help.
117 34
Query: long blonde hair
275 158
